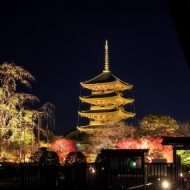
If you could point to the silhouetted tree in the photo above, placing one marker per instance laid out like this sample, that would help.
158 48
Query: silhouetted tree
44 156
75 158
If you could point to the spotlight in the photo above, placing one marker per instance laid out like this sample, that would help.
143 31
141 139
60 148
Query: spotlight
165 184
92 170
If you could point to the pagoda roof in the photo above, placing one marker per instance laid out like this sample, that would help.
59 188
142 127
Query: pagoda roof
106 80
104 77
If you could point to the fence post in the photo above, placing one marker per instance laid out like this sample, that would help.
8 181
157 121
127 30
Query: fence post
21 175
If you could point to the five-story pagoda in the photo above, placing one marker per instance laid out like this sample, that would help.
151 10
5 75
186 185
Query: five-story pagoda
107 101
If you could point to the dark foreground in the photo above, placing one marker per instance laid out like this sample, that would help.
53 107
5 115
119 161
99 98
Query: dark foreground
87 177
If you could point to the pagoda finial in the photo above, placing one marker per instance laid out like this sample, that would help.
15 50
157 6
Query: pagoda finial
106 69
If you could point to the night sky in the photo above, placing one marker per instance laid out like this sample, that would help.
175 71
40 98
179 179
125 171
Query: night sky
63 50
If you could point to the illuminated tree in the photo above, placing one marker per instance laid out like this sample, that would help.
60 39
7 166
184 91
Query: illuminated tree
13 104
17 116
63 147
109 138
106 138
153 125
156 149
185 128
185 156
149 136
48 115
16 120
10 75
45 120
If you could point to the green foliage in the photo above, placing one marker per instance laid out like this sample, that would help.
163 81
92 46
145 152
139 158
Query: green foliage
185 156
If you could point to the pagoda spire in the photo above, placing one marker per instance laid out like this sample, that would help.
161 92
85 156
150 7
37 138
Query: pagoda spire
106 68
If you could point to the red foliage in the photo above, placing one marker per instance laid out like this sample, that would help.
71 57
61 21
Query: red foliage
156 149
63 147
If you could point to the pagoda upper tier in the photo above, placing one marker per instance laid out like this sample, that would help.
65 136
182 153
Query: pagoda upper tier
106 81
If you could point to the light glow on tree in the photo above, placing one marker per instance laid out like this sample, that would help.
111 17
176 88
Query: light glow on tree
63 147
156 149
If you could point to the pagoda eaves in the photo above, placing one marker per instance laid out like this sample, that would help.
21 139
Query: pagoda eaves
106 81
106 114
107 100
92 128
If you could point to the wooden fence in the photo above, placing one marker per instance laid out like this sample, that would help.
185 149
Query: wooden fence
90 176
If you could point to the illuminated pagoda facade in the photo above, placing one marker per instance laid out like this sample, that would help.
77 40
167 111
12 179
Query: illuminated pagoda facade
106 100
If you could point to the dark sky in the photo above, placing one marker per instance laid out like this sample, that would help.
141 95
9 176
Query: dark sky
63 50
